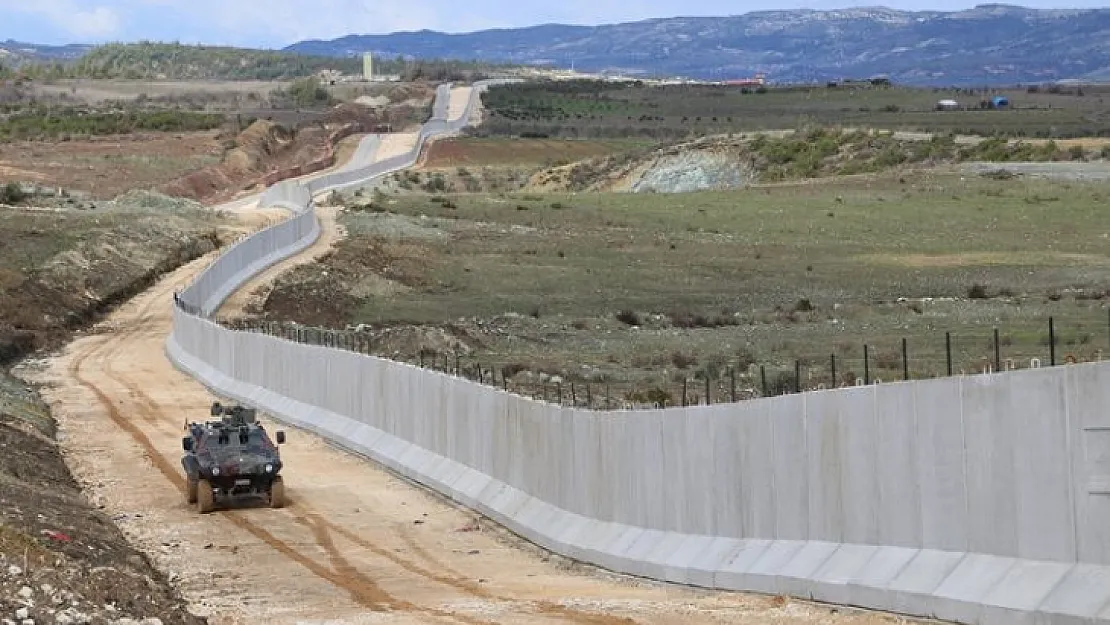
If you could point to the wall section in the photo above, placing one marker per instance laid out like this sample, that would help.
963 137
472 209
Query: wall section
982 499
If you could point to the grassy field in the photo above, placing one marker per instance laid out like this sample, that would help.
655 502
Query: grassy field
588 109
644 291
476 152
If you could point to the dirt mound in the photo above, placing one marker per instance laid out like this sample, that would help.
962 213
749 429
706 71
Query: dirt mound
61 268
62 561
261 148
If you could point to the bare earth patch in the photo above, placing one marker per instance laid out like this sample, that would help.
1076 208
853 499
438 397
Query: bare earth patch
108 166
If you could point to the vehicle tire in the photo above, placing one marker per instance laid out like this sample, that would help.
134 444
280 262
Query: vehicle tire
191 492
277 493
205 497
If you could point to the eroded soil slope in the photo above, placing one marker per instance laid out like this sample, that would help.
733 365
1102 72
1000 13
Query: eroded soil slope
60 266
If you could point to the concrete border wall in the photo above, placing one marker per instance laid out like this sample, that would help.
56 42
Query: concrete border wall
982 499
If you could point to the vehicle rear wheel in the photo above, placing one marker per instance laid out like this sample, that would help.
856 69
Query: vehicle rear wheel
277 493
191 492
205 497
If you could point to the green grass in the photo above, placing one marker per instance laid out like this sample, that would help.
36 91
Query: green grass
877 260
49 125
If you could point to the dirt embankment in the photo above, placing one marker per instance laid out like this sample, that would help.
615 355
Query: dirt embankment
61 268
62 560
266 152
262 149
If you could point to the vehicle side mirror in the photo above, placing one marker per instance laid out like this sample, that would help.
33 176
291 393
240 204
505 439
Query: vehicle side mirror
187 443
281 438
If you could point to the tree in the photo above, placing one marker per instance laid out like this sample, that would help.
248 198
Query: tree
12 193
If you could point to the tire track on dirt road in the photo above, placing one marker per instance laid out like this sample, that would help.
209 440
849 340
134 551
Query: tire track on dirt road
342 574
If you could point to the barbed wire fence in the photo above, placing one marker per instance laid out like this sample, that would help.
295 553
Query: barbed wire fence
880 361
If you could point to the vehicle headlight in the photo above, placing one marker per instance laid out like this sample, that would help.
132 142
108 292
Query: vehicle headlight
269 468
215 470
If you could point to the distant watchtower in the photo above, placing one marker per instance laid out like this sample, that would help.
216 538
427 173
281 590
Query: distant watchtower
368 67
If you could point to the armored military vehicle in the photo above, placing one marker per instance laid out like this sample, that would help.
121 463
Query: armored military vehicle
231 457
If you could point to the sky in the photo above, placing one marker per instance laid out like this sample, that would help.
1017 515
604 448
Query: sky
277 23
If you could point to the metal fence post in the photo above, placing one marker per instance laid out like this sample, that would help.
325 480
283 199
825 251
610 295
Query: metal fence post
948 351
866 365
763 378
1052 341
732 383
905 359
683 392
797 376
832 366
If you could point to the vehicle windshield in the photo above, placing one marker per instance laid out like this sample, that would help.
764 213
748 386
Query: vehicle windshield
253 442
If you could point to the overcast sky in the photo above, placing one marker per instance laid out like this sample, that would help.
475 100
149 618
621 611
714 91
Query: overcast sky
277 23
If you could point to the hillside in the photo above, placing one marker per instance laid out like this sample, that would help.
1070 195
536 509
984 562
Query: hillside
173 61
994 44
18 53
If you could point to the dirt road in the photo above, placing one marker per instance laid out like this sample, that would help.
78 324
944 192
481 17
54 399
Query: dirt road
355 545
460 97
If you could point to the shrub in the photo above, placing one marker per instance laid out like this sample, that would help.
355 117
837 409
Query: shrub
781 384
12 193
509 371
977 291
629 318
683 361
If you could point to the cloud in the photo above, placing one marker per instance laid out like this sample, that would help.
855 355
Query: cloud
276 23
238 22
79 22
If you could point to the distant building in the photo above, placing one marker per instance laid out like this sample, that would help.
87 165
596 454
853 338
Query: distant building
368 67
759 80
948 105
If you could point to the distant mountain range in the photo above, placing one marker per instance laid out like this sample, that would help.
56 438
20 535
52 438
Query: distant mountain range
990 44
14 53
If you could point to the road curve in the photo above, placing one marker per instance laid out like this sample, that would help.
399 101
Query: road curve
355 545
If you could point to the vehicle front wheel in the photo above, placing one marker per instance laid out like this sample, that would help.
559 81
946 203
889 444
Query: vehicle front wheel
277 493
191 492
205 497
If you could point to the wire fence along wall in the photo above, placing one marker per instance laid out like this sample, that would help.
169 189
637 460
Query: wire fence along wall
724 380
